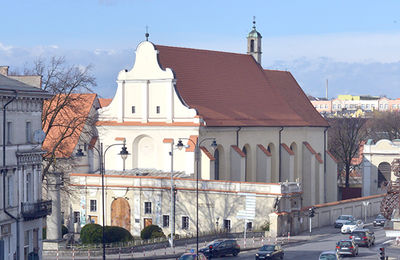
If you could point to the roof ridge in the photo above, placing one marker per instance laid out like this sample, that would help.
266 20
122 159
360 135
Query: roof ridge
203 50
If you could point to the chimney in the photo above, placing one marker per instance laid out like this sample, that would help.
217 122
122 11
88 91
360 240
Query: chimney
4 70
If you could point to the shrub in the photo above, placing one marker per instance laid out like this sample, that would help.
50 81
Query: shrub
93 234
265 226
116 234
151 231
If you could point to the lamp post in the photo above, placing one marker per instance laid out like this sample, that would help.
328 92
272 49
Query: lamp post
124 154
180 145
172 224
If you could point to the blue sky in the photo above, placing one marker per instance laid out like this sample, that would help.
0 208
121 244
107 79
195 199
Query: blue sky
354 44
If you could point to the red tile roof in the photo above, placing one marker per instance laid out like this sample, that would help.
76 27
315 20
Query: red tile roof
104 101
229 89
68 124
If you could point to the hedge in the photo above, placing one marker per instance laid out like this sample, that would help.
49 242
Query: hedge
93 233
151 231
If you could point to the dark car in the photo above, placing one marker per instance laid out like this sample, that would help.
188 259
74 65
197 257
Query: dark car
192 256
363 237
219 248
270 252
347 247
380 220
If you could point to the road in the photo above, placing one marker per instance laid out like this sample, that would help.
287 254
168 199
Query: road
311 250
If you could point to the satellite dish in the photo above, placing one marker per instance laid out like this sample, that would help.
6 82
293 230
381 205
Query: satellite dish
39 136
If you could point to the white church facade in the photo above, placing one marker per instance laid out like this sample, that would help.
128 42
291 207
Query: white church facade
271 143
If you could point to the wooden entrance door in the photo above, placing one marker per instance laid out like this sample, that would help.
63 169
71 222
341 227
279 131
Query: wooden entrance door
121 213
148 222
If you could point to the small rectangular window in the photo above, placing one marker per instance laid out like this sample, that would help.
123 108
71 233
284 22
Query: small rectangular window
158 109
249 226
133 110
185 223
147 207
28 131
93 205
165 221
77 217
227 224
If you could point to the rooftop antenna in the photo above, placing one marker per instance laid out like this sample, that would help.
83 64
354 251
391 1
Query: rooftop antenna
254 22
147 33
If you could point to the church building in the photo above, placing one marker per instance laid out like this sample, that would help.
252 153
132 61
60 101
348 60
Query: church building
248 133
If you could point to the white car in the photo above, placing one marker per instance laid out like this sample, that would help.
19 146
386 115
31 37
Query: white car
350 226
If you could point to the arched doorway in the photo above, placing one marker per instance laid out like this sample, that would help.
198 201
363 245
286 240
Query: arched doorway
384 170
121 213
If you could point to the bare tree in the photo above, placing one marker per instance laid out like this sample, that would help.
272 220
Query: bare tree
345 136
385 125
63 117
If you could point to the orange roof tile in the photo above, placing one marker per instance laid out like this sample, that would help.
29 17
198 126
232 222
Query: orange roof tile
237 149
191 143
264 150
288 150
209 155
104 101
67 126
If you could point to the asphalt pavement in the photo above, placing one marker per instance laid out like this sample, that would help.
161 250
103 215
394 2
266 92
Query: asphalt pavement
303 246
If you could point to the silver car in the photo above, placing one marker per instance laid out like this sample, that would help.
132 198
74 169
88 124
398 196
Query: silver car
329 255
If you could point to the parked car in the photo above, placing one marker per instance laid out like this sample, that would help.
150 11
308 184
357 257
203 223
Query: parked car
350 226
270 252
328 255
363 237
192 256
380 220
343 219
347 247
219 248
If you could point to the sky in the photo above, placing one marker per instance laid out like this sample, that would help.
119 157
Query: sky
355 45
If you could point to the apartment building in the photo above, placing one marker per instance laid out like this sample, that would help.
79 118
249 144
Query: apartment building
21 207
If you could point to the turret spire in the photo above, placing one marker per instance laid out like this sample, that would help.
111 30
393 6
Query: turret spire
254 43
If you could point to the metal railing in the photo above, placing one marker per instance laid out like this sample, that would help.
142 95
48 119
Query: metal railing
34 210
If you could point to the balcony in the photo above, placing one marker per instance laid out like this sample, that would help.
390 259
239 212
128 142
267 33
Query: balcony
34 210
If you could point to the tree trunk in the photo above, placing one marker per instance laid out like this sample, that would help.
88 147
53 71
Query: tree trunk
347 175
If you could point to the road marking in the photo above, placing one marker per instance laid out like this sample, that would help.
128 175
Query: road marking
388 241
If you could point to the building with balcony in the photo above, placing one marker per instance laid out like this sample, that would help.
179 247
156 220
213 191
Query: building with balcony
21 206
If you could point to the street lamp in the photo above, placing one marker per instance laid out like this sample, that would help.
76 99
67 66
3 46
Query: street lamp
180 145
124 154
